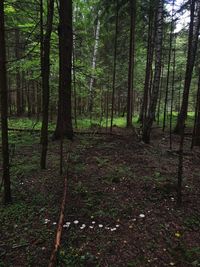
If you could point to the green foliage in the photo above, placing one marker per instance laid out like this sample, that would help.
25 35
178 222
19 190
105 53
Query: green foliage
117 173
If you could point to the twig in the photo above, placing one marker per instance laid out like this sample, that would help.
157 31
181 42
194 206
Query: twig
20 246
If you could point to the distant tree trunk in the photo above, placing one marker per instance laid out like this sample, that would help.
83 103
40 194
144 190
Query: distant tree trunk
131 64
149 61
18 76
172 93
156 83
45 84
160 93
192 49
4 109
115 64
33 98
64 118
168 68
94 59
196 131
23 92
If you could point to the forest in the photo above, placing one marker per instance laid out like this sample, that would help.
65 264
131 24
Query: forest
100 133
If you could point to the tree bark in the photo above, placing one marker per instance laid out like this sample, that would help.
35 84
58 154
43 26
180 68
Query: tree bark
4 109
45 83
149 61
131 64
18 76
156 83
168 69
94 59
115 64
196 131
192 49
64 118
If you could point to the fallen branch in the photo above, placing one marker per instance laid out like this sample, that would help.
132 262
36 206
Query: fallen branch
54 253
20 246
52 131
24 130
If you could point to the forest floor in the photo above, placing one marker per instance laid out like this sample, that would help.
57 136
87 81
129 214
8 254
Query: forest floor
121 203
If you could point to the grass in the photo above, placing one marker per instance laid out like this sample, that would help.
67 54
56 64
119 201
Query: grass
83 123
86 123
189 122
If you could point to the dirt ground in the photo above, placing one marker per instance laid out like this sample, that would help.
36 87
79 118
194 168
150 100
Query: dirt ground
121 204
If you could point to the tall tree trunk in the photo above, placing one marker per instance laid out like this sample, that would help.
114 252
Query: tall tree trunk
18 76
115 64
4 109
131 64
172 92
94 59
168 68
149 61
45 84
161 92
64 118
192 49
196 131
156 83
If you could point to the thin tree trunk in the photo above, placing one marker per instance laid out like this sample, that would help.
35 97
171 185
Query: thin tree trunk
168 68
192 49
115 64
196 130
131 64
172 94
94 59
149 61
4 109
18 77
156 83
45 84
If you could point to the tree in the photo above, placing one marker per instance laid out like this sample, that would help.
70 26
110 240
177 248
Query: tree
192 49
156 82
18 80
4 109
94 59
149 61
114 65
196 130
45 72
64 117
168 68
131 63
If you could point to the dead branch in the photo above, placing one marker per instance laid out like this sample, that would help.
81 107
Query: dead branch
54 253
